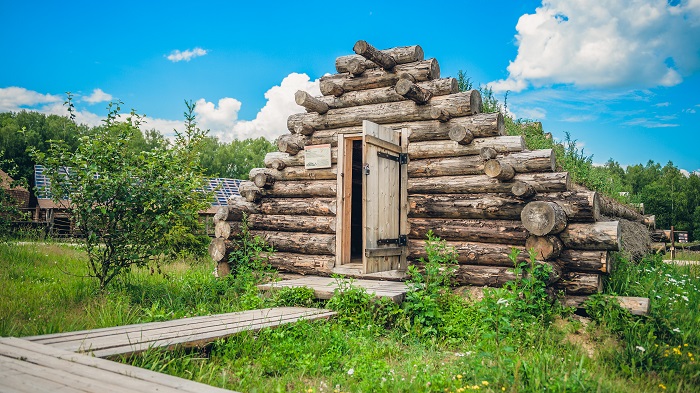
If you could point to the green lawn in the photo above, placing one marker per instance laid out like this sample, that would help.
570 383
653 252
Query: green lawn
510 341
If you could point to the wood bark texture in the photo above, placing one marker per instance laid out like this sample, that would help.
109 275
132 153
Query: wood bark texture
470 230
448 148
576 283
601 235
528 161
542 182
280 160
291 143
401 54
301 263
412 91
456 105
310 103
461 135
472 253
371 53
585 261
300 206
523 190
499 170
612 208
545 247
250 191
299 242
238 206
543 218
373 78
436 87
303 189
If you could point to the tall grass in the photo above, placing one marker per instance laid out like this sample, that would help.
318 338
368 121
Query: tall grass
510 340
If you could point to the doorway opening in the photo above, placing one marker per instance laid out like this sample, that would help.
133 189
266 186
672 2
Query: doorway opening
356 203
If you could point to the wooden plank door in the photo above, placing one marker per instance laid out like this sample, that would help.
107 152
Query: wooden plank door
382 197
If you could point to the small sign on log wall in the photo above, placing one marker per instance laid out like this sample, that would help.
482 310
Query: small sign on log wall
317 156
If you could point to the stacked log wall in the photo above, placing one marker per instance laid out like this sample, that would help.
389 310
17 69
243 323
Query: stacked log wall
468 182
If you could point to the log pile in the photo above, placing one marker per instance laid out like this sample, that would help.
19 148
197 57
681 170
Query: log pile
480 190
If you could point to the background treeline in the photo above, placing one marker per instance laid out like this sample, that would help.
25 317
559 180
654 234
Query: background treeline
665 191
21 130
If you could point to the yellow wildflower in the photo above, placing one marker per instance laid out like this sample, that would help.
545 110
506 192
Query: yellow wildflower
485 383
662 386
459 376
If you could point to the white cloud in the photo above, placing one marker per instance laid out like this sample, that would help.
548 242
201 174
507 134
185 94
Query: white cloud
580 118
535 113
689 110
186 55
271 120
97 96
649 123
14 99
605 43
662 104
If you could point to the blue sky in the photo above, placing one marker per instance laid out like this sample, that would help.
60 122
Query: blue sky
623 77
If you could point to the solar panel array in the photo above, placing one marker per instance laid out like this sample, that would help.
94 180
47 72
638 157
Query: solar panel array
223 188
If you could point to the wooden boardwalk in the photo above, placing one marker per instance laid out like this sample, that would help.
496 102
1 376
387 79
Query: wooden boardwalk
29 367
193 331
324 287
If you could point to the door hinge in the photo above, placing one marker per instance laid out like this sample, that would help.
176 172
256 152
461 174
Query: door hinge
401 241
402 158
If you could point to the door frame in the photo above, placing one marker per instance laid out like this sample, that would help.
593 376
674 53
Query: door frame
344 205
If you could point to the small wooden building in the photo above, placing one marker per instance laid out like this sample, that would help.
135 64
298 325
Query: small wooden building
391 151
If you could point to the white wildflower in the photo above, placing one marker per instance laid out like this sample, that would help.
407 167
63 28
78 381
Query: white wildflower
351 371
640 348
676 330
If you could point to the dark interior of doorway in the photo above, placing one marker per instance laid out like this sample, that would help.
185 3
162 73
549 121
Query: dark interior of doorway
356 204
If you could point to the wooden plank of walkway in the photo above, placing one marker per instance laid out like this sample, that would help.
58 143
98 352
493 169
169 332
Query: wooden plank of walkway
29 367
194 331
324 287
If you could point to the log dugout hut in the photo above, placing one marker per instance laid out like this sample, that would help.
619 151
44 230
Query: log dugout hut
391 151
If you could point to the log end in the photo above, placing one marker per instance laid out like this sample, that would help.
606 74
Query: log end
542 218
360 47
500 124
475 104
435 71
460 134
522 190
403 86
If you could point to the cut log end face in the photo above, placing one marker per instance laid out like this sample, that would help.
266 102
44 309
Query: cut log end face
523 190
544 247
543 218
461 135
498 170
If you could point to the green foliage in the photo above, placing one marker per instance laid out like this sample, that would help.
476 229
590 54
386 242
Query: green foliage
9 209
129 207
234 159
666 341
531 355
357 308
429 290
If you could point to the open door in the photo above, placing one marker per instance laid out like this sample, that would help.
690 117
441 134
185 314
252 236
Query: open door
384 162
372 200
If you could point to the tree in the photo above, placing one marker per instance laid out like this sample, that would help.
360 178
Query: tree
127 204
235 159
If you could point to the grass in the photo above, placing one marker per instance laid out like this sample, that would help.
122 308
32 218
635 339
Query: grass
508 341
